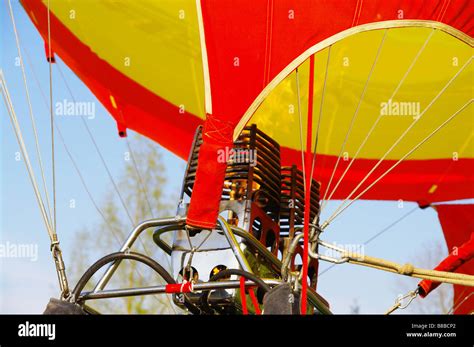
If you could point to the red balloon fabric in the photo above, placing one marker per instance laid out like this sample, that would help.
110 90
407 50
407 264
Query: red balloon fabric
458 227
249 42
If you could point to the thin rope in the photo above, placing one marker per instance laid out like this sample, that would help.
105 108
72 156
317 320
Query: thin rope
139 177
30 110
55 250
24 152
340 210
75 165
460 152
456 302
307 191
454 308
145 249
406 132
81 177
379 233
367 136
112 230
414 61
356 112
96 146
191 247
68 152
89 132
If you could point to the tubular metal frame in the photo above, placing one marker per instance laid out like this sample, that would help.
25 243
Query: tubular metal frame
133 236
116 293
99 291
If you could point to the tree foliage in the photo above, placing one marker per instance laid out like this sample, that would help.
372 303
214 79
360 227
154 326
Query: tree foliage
141 186
440 301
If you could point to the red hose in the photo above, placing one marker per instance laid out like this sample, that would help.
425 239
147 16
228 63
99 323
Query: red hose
185 287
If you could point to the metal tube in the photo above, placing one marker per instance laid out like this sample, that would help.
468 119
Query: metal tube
259 247
60 269
289 254
117 293
129 243
99 293
313 298
341 260
318 302
234 245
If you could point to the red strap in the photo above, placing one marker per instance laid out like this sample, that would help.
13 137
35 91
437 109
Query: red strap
454 260
207 192
242 296
254 301
185 287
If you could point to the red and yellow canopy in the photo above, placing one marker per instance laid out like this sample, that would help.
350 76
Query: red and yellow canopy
163 67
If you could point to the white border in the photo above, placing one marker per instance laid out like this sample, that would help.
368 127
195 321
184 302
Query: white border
205 63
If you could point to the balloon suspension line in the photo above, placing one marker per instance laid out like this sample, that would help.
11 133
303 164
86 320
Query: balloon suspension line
55 249
305 163
345 202
141 185
48 214
99 152
60 268
101 156
24 152
315 230
96 147
442 125
144 190
353 119
374 125
460 302
30 108
307 192
104 163
379 233
313 227
406 269
300 120
67 150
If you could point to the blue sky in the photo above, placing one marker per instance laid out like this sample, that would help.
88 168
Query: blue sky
25 285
